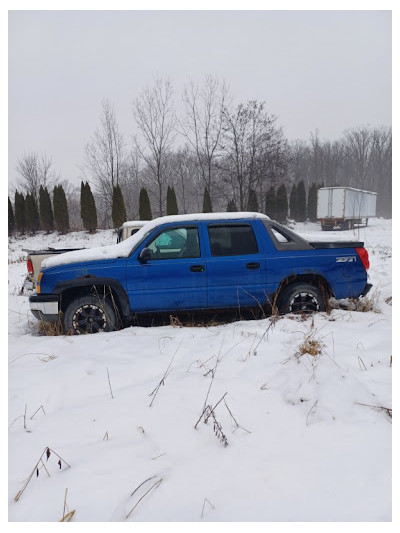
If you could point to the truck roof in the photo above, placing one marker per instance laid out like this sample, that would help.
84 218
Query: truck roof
209 216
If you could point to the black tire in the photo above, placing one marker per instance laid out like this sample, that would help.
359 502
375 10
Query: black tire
300 298
89 314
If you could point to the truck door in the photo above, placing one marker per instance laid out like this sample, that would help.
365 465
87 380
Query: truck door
174 276
235 266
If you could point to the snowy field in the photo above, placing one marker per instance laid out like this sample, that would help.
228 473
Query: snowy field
284 419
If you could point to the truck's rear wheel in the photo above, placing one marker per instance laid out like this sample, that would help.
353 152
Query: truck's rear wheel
89 314
300 298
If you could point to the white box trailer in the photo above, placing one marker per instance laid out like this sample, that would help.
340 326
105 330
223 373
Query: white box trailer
345 207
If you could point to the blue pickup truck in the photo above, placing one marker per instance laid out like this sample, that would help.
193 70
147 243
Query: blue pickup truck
197 262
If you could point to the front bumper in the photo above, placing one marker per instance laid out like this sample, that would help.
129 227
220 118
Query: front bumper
45 307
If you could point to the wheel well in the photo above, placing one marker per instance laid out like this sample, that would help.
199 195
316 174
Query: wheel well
70 294
316 280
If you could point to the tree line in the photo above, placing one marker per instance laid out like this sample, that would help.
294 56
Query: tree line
26 216
215 156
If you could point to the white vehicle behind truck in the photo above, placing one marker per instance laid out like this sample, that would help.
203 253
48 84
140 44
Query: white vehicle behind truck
344 207
129 228
35 257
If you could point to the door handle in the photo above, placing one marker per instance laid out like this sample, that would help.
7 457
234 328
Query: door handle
197 268
252 266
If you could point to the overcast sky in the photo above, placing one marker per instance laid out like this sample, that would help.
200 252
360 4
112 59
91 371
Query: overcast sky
325 70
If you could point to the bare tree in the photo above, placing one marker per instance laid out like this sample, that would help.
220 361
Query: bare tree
105 155
35 171
131 183
381 169
254 148
202 123
183 172
155 117
358 145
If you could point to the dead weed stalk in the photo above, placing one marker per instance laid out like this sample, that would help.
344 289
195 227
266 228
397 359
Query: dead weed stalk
155 485
386 410
39 465
67 514
164 377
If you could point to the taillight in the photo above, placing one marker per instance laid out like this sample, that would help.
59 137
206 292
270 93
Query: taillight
363 255
29 266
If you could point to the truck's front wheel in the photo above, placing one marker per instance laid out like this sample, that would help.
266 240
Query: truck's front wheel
300 298
89 314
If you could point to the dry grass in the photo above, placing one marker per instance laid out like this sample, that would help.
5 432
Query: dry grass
359 305
311 346
175 322
52 329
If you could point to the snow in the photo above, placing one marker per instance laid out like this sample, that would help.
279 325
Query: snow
309 436
124 248
130 223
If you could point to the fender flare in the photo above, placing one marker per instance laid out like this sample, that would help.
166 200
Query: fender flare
118 290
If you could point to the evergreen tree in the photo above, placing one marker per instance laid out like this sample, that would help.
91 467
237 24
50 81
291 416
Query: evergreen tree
144 205
84 204
91 213
207 206
45 209
11 219
118 207
301 202
19 206
172 204
60 206
231 207
281 204
270 203
252 203
293 203
31 214
312 203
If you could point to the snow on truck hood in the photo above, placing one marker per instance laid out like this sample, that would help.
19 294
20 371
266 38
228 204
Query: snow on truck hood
124 248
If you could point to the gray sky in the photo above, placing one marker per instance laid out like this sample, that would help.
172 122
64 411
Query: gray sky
329 70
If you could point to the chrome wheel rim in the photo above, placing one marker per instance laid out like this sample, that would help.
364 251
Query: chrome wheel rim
304 302
89 318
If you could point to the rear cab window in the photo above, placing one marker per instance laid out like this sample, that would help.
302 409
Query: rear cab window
283 239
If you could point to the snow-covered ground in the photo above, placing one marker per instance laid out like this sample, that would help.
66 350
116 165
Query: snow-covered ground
291 437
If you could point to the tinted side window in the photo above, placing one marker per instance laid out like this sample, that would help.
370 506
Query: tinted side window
228 240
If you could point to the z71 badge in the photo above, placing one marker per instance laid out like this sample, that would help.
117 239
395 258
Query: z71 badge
348 259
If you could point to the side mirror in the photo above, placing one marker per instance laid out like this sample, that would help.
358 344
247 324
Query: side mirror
145 255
